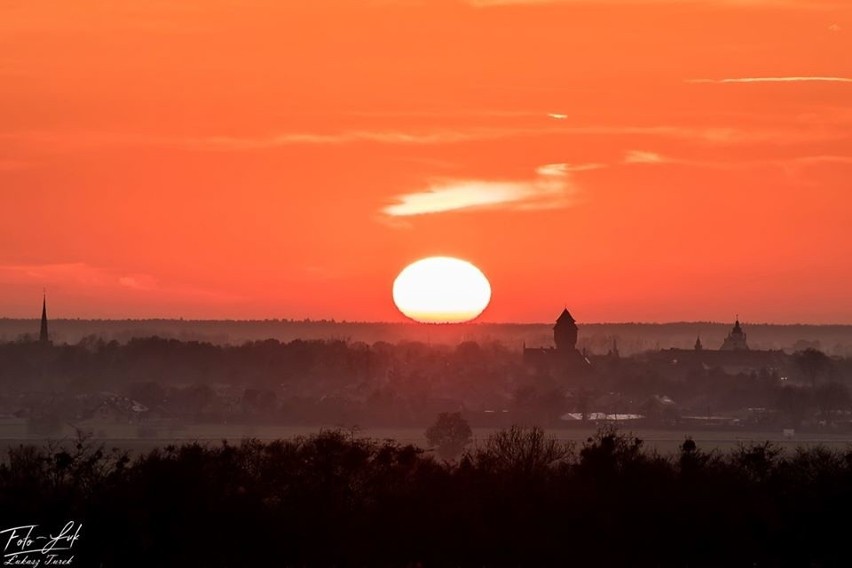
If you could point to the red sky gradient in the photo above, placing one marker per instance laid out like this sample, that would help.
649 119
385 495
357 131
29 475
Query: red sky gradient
277 159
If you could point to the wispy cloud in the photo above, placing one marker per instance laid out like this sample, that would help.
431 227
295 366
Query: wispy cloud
800 169
794 79
140 282
77 275
84 140
633 157
37 142
437 137
551 187
643 157
729 3
717 135
799 163
379 137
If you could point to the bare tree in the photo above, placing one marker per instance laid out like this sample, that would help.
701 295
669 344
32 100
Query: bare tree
449 434
831 397
524 451
813 364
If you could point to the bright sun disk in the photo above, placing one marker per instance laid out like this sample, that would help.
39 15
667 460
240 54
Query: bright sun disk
441 289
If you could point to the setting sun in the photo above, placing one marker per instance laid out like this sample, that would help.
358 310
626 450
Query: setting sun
441 289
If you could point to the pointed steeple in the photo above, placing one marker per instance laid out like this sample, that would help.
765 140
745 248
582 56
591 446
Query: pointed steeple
43 336
565 332
565 317
698 345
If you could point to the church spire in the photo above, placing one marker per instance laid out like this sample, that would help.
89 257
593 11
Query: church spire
43 336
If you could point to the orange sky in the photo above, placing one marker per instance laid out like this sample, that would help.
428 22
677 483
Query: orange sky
268 158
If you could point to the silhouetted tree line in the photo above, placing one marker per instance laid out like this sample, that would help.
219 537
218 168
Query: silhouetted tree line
519 499
295 382
404 384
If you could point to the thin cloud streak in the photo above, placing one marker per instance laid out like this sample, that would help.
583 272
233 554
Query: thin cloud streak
709 135
794 79
809 4
803 162
379 137
552 187
460 136
827 159
76 140
81 274
643 157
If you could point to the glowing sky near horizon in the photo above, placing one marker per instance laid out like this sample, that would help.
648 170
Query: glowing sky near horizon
634 160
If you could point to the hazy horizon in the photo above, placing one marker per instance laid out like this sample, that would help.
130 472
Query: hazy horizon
631 337
414 323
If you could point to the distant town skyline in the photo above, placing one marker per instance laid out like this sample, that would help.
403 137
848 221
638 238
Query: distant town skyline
733 341
636 161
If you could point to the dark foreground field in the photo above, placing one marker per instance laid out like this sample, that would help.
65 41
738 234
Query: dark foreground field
519 499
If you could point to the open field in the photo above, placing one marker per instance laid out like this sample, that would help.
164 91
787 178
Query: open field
663 441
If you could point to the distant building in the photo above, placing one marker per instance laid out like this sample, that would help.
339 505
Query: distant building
43 336
565 332
736 340
613 353
733 357
564 358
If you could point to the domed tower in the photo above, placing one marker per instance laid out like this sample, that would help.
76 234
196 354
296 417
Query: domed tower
736 340
565 332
